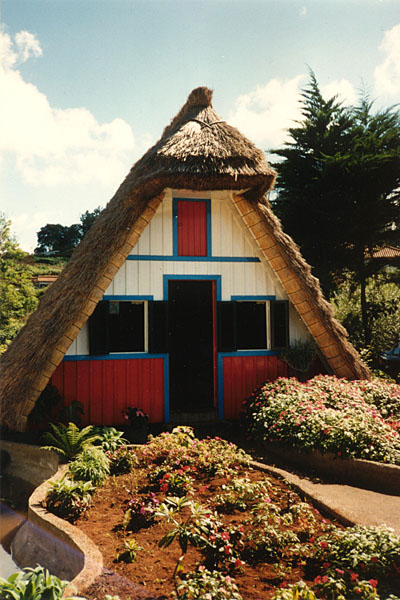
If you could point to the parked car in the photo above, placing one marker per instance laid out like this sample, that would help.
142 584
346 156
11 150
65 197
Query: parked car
389 360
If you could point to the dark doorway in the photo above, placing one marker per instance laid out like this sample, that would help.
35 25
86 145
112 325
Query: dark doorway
191 347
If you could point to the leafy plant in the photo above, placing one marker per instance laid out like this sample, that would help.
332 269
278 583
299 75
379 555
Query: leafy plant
91 465
129 551
121 460
68 499
141 512
297 591
69 441
110 439
299 355
32 584
211 585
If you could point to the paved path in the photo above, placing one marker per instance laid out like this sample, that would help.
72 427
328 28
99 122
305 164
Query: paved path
350 505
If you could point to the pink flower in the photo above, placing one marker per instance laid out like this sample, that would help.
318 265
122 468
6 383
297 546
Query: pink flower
225 535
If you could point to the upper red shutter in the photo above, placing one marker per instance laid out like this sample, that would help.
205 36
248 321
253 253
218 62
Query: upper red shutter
192 228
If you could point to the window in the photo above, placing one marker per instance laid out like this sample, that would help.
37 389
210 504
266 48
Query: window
253 325
118 326
127 326
191 227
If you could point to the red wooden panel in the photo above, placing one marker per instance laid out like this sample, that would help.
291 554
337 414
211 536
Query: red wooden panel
82 389
192 228
120 396
108 392
95 396
157 405
242 374
57 379
69 382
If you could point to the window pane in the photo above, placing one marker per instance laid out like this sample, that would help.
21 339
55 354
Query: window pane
251 325
127 327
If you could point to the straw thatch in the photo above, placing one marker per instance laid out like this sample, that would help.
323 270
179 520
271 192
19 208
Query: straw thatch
197 151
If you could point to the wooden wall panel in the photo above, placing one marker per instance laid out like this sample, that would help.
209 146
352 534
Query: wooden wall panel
244 373
106 387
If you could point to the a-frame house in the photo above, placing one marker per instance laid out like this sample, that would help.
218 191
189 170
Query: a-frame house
182 294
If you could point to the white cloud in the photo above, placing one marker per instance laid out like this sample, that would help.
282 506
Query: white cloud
341 88
265 114
27 45
53 146
387 74
303 11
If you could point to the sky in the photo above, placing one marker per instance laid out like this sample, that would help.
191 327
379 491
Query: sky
87 86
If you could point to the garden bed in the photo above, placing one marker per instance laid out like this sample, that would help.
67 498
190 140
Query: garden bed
252 531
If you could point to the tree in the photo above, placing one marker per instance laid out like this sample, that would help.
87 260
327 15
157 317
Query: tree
338 186
62 239
17 294
56 238
87 220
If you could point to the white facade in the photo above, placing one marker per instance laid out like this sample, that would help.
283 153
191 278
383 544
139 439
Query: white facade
243 269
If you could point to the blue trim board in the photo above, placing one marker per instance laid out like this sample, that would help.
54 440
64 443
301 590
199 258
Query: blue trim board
127 297
175 223
167 278
117 356
249 353
253 297
160 257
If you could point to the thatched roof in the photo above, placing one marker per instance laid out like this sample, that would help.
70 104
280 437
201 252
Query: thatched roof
197 151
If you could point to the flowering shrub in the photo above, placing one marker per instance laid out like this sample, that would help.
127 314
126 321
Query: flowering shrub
329 414
175 483
297 591
68 499
141 512
135 417
369 551
211 456
241 494
207 585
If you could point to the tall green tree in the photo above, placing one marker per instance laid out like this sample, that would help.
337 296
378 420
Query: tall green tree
338 186
62 239
17 294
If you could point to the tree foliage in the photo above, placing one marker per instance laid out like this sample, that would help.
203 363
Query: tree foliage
62 239
338 187
17 295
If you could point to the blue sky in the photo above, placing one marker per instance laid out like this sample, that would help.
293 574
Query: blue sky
87 86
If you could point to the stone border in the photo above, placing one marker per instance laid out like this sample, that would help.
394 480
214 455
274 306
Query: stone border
369 475
82 557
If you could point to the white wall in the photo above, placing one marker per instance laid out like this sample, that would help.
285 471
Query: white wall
229 238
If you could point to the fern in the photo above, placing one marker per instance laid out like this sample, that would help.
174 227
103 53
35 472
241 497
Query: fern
69 441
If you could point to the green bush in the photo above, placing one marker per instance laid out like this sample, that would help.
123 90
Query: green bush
328 414
110 439
69 441
68 499
91 465
32 584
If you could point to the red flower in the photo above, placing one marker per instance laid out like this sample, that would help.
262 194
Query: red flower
339 571
324 578
225 535
326 565
373 582
238 563
353 577
227 549
324 545
374 559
